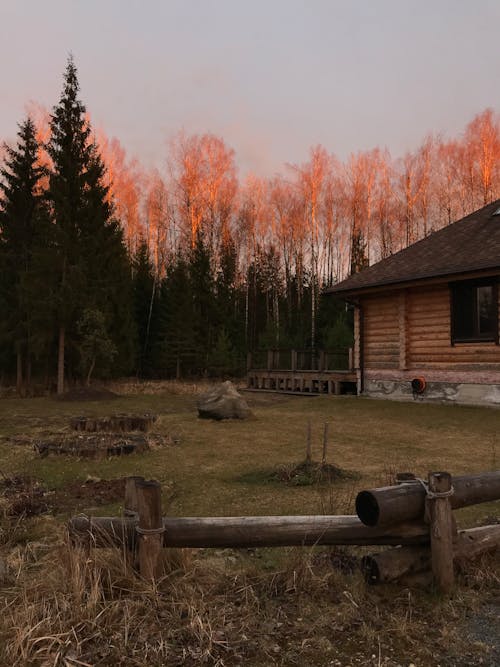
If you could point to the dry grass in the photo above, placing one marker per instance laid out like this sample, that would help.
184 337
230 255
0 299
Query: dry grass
251 607
67 608
129 387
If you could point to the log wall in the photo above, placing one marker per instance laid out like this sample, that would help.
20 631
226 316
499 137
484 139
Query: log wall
381 331
411 330
430 334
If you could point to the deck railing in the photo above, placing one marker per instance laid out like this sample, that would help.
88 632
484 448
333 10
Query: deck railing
287 359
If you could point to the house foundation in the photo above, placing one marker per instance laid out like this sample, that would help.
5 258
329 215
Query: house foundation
440 387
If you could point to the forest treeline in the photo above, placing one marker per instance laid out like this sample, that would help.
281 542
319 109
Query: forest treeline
107 269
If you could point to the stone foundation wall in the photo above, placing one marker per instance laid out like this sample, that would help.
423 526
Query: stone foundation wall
442 390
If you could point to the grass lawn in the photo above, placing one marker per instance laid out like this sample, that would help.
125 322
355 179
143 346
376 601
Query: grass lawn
221 468
304 611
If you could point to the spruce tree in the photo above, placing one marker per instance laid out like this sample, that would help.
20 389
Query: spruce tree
226 288
23 232
230 334
146 297
203 300
179 351
90 259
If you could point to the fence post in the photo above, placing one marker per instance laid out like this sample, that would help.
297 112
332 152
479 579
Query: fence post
293 355
150 528
131 511
441 529
130 506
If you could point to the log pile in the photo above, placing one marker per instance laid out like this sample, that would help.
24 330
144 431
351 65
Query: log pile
414 517
431 501
98 437
394 564
406 500
92 445
119 423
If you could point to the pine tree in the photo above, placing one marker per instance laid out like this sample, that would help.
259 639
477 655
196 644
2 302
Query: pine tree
23 229
178 352
146 296
90 258
69 150
229 299
203 300
109 284
95 344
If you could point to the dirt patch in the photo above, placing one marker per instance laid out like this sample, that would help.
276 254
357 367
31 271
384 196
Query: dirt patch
87 394
92 492
24 496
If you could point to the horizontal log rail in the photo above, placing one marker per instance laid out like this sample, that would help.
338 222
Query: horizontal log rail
247 532
413 516
406 502
394 564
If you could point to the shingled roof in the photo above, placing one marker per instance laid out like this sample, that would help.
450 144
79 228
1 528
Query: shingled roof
468 245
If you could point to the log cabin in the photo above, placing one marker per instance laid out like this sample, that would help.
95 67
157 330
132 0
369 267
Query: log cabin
426 319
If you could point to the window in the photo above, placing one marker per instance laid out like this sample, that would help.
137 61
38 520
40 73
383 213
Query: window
474 312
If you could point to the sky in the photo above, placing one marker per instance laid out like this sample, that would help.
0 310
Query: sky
271 77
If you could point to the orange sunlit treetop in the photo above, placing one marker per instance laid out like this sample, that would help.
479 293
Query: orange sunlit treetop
312 213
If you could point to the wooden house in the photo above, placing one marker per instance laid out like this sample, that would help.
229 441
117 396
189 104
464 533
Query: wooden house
427 318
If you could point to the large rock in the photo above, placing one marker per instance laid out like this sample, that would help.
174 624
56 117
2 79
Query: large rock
223 402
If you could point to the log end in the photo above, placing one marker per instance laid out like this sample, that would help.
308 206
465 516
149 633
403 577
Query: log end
367 508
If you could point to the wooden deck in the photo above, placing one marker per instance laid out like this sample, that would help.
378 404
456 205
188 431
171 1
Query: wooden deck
319 379
311 382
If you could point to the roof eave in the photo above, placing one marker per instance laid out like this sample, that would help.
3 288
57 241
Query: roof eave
405 283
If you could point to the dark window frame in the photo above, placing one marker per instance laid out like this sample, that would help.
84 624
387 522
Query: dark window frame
476 337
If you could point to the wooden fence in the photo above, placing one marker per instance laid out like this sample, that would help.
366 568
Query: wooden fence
414 516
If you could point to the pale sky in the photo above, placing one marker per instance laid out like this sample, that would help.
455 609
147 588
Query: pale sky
271 77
